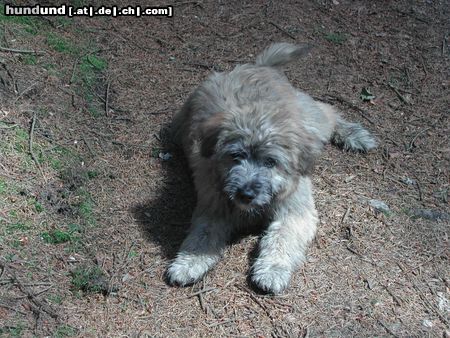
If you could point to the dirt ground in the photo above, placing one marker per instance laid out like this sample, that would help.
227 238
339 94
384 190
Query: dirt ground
93 207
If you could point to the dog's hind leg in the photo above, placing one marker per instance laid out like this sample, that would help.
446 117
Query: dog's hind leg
200 251
352 136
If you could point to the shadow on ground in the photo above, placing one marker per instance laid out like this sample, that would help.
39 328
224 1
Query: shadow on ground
165 219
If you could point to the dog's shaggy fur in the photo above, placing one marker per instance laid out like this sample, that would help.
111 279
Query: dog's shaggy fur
251 140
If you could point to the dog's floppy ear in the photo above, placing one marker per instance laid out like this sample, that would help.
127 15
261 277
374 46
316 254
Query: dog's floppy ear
209 134
308 151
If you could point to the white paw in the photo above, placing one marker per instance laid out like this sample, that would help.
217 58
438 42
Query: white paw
187 269
271 278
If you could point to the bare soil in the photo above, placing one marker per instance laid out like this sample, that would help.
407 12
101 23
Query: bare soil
369 273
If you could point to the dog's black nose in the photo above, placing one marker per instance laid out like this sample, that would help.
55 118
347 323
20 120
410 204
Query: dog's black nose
246 194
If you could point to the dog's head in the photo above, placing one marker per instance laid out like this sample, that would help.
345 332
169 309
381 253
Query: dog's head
259 156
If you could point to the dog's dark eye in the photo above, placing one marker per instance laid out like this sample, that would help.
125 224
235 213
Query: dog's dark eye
270 162
238 155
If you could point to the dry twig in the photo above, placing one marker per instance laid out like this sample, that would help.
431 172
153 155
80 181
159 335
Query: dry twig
12 309
37 304
20 51
107 98
30 145
203 290
400 96
282 30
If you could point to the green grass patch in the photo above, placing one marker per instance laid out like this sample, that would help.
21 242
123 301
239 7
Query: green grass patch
32 24
337 38
89 279
85 207
36 205
11 257
91 174
56 236
88 78
62 21
61 45
65 331
16 244
89 68
29 59
94 61
55 299
17 227
12 331
21 140
155 152
21 134
60 158
3 186
55 163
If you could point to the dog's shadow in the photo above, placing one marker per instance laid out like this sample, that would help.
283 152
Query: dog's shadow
165 219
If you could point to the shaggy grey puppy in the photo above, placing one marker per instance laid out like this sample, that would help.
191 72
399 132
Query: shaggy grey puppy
251 140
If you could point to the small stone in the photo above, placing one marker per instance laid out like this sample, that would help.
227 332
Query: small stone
443 303
430 214
370 283
379 206
427 323
408 181
165 156
126 277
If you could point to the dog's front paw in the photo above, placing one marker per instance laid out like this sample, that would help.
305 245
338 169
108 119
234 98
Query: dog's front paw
270 278
187 269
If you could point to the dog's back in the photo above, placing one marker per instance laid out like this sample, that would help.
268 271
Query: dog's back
261 87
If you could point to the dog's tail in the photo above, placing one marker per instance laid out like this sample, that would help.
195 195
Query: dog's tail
352 136
279 54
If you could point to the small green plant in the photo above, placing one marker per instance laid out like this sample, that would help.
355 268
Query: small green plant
337 38
32 24
29 59
3 186
155 152
88 77
11 257
60 44
55 163
86 207
16 244
17 227
90 65
65 331
21 134
38 206
55 299
89 279
63 21
56 236
92 174
12 331
98 63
